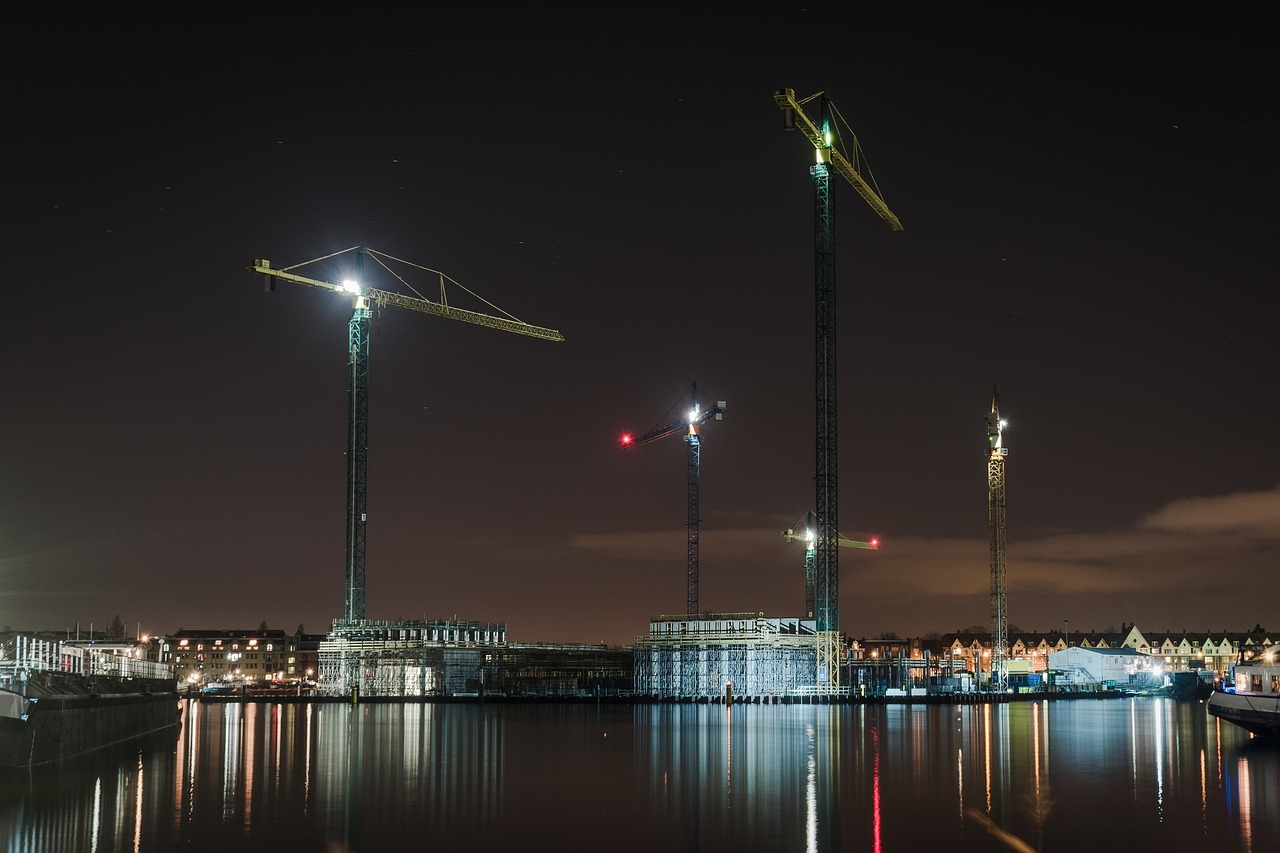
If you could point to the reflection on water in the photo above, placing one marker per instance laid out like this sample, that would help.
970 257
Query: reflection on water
1135 773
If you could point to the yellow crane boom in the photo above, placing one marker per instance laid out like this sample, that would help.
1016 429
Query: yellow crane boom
796 118
382 298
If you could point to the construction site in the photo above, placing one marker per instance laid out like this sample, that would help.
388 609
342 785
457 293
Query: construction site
691 656
463 659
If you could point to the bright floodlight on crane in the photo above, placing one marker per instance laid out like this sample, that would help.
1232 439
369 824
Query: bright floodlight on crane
809 536
365 300
689 426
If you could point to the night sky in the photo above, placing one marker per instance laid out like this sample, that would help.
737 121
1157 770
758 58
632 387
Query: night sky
1090 225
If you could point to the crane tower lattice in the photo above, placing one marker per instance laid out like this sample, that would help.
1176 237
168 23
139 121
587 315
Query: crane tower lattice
826 139
996 453
689 425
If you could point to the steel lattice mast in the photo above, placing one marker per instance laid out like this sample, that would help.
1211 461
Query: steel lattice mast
689 426
996 453
825 140
826 480
357 458
365 299
692 597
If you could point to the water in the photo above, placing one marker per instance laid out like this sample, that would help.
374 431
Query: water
1136 774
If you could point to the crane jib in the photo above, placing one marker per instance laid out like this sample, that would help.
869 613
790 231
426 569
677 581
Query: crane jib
426 306
385 297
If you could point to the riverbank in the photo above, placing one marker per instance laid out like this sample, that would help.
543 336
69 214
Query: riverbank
64 717
800 699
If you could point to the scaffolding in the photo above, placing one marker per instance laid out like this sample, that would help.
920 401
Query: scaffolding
22 655
420 658
449 658
698 658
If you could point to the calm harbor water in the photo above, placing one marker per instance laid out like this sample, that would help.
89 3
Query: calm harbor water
1133 773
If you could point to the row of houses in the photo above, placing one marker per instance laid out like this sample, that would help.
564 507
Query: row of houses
1172 651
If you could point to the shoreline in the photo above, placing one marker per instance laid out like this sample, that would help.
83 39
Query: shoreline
499 699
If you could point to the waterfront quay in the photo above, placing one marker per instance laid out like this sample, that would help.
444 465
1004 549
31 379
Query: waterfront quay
976 698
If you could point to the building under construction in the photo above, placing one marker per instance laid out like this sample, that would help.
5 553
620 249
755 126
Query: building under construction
450 659
749 654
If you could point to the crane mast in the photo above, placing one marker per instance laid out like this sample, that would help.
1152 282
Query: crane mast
807 535
824 137
689 426
364 300
996 453
357 455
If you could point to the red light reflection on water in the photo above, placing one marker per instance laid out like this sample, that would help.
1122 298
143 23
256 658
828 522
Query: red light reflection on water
875 790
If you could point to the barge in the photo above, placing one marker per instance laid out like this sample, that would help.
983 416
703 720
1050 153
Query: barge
59 700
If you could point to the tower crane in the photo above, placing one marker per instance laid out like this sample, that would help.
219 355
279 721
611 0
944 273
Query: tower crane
825 137
365 299
689 426
996 453
805 532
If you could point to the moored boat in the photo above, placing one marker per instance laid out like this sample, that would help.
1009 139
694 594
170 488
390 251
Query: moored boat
59 700
1252 698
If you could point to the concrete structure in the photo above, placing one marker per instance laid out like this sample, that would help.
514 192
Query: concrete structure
757 656
450 658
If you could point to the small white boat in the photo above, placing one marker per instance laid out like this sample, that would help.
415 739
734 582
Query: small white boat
1252 699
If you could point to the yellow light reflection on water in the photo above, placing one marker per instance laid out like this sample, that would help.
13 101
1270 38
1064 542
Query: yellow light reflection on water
249 726
1204 792
1035 753
1160 737
811 790
986 748
1246 804
275 748
306 763
137 809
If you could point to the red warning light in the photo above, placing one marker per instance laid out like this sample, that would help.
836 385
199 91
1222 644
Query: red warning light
875 542
626 439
